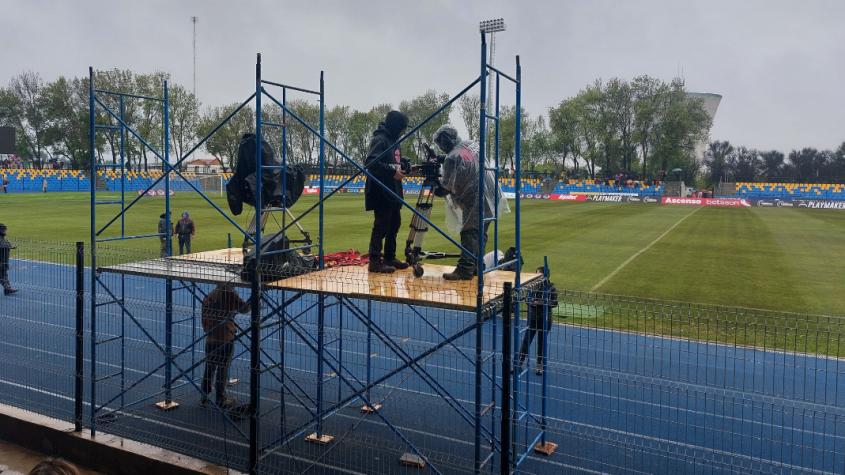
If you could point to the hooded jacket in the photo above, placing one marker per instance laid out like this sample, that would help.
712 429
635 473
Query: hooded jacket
382 165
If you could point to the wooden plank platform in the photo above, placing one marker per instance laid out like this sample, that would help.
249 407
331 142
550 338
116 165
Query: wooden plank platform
401 286
222 265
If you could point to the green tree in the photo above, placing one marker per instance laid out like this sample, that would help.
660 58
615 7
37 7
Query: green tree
682 123
24 105
772 163
65 105
184 120
470 109
648 95
716 158
223 145
419 109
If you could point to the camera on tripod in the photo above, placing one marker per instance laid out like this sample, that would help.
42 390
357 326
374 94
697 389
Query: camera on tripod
430 168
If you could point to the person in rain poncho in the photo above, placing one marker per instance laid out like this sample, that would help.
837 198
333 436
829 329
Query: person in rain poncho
459 186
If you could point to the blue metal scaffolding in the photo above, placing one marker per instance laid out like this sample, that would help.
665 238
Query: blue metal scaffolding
488 442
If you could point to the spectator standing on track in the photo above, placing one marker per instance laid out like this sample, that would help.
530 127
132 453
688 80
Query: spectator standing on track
5 184
218 321
386 165
542 301
162 231
44 185
5 253
185 230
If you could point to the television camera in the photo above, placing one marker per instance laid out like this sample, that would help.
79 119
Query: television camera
429 170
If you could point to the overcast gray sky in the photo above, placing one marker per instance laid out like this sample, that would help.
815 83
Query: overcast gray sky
780 65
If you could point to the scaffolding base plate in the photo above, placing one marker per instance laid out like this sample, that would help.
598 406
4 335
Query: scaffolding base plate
319 439
233 381
367 409
412 460
546 449
167 405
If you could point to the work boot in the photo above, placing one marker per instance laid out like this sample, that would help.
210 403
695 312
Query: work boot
458 274
396 263
10 291
377 265
538 370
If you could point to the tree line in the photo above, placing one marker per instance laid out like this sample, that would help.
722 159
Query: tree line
642 128
51 122
726 162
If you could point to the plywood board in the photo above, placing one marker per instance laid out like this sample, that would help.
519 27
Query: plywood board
431 289
401 286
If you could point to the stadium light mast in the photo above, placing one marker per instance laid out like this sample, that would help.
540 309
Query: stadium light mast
194 21
491 27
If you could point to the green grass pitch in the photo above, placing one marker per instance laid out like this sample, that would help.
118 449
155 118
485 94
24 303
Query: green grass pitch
771 258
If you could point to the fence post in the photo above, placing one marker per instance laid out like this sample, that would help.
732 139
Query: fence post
505 462
80 335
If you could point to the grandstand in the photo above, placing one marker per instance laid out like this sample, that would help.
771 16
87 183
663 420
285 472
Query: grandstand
575 187
787 191
31 180
24 180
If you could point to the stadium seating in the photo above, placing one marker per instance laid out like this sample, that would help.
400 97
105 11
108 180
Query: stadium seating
790 191
26 180
589 186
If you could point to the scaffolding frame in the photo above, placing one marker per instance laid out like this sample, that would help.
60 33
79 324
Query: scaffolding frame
486 438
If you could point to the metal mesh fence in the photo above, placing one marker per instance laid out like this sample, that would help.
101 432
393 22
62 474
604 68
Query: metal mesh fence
37 329
387 370
639 385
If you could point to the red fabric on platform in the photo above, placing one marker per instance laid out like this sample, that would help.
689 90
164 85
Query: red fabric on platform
349 257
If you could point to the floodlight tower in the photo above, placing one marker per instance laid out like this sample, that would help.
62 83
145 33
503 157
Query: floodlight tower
194 21
491 27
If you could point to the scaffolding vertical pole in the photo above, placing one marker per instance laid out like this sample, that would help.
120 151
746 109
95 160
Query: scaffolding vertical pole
122 125
322 163
479 257
255 310
369 352
546 328
168 214
122 149
93 297
168 305
506 443
321 302
284 161
493 338
496 172
517 231
283 320
80 336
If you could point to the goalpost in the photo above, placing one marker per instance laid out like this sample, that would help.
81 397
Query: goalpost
211 183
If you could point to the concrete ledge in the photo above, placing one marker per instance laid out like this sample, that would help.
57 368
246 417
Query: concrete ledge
104 453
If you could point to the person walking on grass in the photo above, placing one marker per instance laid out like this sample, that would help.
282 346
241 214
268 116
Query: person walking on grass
5 254
162 233
185 230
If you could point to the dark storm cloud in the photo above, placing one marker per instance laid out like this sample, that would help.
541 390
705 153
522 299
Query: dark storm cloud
778 64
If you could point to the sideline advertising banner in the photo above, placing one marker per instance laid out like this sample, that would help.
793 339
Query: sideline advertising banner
721 202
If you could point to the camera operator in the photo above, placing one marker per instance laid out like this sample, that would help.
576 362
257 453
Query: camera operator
460 187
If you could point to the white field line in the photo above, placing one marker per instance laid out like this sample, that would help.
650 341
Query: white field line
636 254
